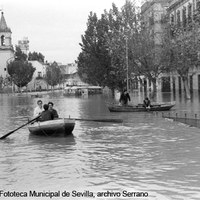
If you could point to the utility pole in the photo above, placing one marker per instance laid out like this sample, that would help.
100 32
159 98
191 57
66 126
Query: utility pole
127 84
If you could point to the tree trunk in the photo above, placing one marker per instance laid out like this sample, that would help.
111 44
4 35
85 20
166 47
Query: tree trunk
113 92
186 87
154 91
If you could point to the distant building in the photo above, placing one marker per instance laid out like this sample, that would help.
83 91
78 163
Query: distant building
71 75
38 82
6 47
70 68
153 13
24 45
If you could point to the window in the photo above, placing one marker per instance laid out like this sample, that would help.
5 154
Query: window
189 13
172 19
2 40
184 19
178 18
39 74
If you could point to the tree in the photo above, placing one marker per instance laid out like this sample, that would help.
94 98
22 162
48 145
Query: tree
94 60
103 57
148 56
53 74
19 55
182 44
36 56
21 72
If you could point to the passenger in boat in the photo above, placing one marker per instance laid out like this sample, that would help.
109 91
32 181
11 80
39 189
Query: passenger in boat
55 113
146 103
46 114
124 98
38 110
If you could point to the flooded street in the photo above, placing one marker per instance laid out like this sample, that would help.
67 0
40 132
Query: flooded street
146 153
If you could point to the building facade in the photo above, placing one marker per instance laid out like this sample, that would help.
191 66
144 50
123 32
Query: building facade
180 13
6 47
24 45
153 13
38 82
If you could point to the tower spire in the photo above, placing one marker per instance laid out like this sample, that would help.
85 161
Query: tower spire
3 25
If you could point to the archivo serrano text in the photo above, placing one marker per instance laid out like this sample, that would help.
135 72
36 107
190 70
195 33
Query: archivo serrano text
74 193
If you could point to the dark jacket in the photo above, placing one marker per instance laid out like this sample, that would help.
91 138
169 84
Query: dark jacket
147 103
46 115
124 98
54 112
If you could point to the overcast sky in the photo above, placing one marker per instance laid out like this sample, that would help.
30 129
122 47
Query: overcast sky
53 27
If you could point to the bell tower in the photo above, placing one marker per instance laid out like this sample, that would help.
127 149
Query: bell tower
6 47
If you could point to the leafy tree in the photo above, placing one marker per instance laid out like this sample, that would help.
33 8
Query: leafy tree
53 74
94 60
123 27
103 57
36 56
21 72
19 55
148 56
182 47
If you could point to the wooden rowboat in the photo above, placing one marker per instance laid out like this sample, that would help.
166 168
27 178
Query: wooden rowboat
139 108
57 127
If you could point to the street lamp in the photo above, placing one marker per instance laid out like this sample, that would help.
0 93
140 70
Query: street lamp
127 85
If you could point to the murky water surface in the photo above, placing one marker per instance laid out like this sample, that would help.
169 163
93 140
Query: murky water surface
146 153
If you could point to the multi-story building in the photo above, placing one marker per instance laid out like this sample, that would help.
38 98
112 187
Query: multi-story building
181 13
153 14
6 47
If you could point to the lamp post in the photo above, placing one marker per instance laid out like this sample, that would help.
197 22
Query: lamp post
127 84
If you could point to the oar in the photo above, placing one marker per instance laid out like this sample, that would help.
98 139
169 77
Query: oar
100 120
6 135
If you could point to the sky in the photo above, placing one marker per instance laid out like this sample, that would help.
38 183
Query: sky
53 27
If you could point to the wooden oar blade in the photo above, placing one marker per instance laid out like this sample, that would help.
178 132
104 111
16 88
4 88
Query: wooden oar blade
1 138
6 135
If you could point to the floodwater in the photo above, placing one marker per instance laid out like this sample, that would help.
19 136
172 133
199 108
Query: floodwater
146 155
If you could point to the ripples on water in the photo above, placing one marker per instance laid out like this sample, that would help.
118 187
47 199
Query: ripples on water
146 153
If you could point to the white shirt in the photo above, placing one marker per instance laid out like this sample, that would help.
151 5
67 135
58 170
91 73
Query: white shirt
37 111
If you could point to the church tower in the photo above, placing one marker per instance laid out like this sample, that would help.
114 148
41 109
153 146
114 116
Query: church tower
6 47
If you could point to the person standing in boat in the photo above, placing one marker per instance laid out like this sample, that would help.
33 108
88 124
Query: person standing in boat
38 110
55 113
124 98
46 114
